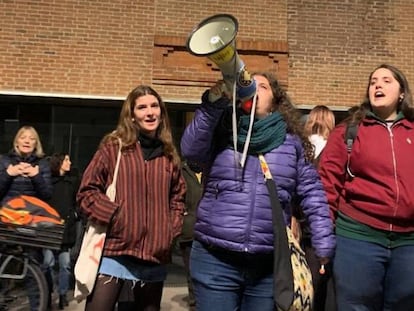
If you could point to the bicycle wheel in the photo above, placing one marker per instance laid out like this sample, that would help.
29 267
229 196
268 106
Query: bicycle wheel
29 292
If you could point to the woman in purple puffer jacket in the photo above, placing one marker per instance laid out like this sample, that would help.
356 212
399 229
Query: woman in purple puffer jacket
232 256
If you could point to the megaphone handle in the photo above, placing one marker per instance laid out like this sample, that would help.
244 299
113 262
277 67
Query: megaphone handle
229 85
247 106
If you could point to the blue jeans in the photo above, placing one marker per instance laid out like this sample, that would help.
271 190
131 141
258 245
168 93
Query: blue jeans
229 281
64 268
371 277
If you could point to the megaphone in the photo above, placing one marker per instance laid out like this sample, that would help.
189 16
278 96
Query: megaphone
214 38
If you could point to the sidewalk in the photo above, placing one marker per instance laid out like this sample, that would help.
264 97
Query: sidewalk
173 299
174 293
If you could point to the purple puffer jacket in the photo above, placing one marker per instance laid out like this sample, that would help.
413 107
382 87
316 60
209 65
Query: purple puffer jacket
235 211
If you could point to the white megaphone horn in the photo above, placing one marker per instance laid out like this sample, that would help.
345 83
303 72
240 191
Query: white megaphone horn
215 38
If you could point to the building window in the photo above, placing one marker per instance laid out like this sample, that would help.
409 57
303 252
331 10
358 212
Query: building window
75 126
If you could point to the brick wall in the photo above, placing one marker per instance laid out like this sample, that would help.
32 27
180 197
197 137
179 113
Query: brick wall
322 51
75 47
334 45
183 77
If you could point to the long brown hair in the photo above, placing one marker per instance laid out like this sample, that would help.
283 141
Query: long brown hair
291 115
128 131
55 162
405 106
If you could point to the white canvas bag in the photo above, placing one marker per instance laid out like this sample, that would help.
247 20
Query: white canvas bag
87 264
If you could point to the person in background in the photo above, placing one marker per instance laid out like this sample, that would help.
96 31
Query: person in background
371 200
192 175
25 171
318 125
65 187
232 255
147 214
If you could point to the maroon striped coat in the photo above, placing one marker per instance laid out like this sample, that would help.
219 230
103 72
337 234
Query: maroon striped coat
148 210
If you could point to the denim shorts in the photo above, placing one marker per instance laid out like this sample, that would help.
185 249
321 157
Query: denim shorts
129 268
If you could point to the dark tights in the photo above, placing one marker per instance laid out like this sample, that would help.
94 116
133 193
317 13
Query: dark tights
107 290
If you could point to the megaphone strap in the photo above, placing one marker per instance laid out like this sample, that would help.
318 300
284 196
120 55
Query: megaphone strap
234 124
249 132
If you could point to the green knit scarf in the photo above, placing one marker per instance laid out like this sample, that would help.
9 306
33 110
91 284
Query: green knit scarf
267 133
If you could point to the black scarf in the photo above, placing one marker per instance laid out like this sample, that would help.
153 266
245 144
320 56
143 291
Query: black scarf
151 147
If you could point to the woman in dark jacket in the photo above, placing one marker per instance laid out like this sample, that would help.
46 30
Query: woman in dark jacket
24 170
63 200
193 179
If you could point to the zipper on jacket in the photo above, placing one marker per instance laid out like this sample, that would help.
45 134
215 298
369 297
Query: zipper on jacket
394 163
252 206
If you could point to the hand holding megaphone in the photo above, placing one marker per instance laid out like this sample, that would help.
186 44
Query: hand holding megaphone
218 91
214 38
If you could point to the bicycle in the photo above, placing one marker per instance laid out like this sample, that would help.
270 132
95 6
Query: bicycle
23 284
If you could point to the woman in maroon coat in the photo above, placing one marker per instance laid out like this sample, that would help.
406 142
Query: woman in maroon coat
147 213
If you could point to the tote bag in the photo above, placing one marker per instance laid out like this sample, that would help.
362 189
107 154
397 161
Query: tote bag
90 255
293 288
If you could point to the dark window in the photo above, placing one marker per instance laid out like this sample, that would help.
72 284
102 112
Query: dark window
71 125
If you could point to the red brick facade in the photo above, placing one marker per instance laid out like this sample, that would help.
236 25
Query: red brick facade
322 51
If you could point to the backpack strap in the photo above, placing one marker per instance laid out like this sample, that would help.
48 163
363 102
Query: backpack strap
350 135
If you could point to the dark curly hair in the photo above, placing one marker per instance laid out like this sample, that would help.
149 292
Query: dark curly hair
55 162
290 113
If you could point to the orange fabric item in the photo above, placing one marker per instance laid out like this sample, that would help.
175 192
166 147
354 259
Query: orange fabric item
28 210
